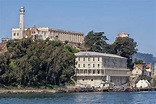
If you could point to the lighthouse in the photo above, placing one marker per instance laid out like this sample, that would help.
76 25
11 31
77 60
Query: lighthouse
21 24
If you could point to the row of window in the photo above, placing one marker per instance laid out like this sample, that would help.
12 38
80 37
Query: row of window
37 36
16 34
84 65
83 79
81 71
88 58
33 32
108 65
66 33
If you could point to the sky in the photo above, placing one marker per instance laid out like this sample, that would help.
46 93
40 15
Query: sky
135 17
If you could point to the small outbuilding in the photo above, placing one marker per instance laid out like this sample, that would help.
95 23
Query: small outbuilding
143 84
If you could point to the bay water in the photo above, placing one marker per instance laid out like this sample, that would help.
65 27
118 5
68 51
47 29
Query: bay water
81 98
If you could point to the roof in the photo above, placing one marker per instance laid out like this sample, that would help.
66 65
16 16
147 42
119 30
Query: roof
50 29
89 53
140 66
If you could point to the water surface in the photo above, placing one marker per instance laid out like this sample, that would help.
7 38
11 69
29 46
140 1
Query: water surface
81 98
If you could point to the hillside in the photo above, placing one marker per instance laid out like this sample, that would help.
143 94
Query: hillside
148 58
32 63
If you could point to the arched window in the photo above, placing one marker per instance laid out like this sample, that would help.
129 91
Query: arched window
93 71
98 71
98 65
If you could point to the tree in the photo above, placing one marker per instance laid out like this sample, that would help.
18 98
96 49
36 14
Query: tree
125 47
109 48
36 63
138 61
95 41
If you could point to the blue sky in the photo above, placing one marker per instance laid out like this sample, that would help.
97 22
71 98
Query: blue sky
136 17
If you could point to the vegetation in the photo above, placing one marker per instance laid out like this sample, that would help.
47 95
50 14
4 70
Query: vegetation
138 61
123 46
95 41
34 63
145 77
154 82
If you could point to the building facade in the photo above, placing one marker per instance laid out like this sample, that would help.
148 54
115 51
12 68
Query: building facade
142 69
96 69
143 84
123 34
136 71
5 39
45 32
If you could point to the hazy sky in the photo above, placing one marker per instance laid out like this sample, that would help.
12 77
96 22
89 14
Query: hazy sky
136 17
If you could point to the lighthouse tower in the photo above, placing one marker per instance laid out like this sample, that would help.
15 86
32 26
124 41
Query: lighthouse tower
21 24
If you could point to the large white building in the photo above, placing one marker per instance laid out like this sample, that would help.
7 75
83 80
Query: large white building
96 69
44 32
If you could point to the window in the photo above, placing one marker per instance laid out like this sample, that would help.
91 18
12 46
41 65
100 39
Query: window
14 34
77 71
88 65
17 34
83 65
93 71
98 65
82 79
81 71
98 59
91 79
98 71
83 58
79 65
93 65
88 58
85 71
79 59
89 71
93 59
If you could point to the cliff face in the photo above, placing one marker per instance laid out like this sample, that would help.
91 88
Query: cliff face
3 47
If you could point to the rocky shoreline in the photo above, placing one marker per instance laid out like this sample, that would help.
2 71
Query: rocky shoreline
27 91
59 90
66 90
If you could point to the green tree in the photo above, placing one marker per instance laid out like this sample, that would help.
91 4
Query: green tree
36 63
138 61
125 47
95 41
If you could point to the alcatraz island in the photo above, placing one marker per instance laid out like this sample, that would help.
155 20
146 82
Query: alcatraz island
43 59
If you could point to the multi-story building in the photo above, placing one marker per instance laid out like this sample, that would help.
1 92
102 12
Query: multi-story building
45 32
142 69
95 69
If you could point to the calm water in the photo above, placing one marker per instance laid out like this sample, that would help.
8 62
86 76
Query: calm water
81 98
